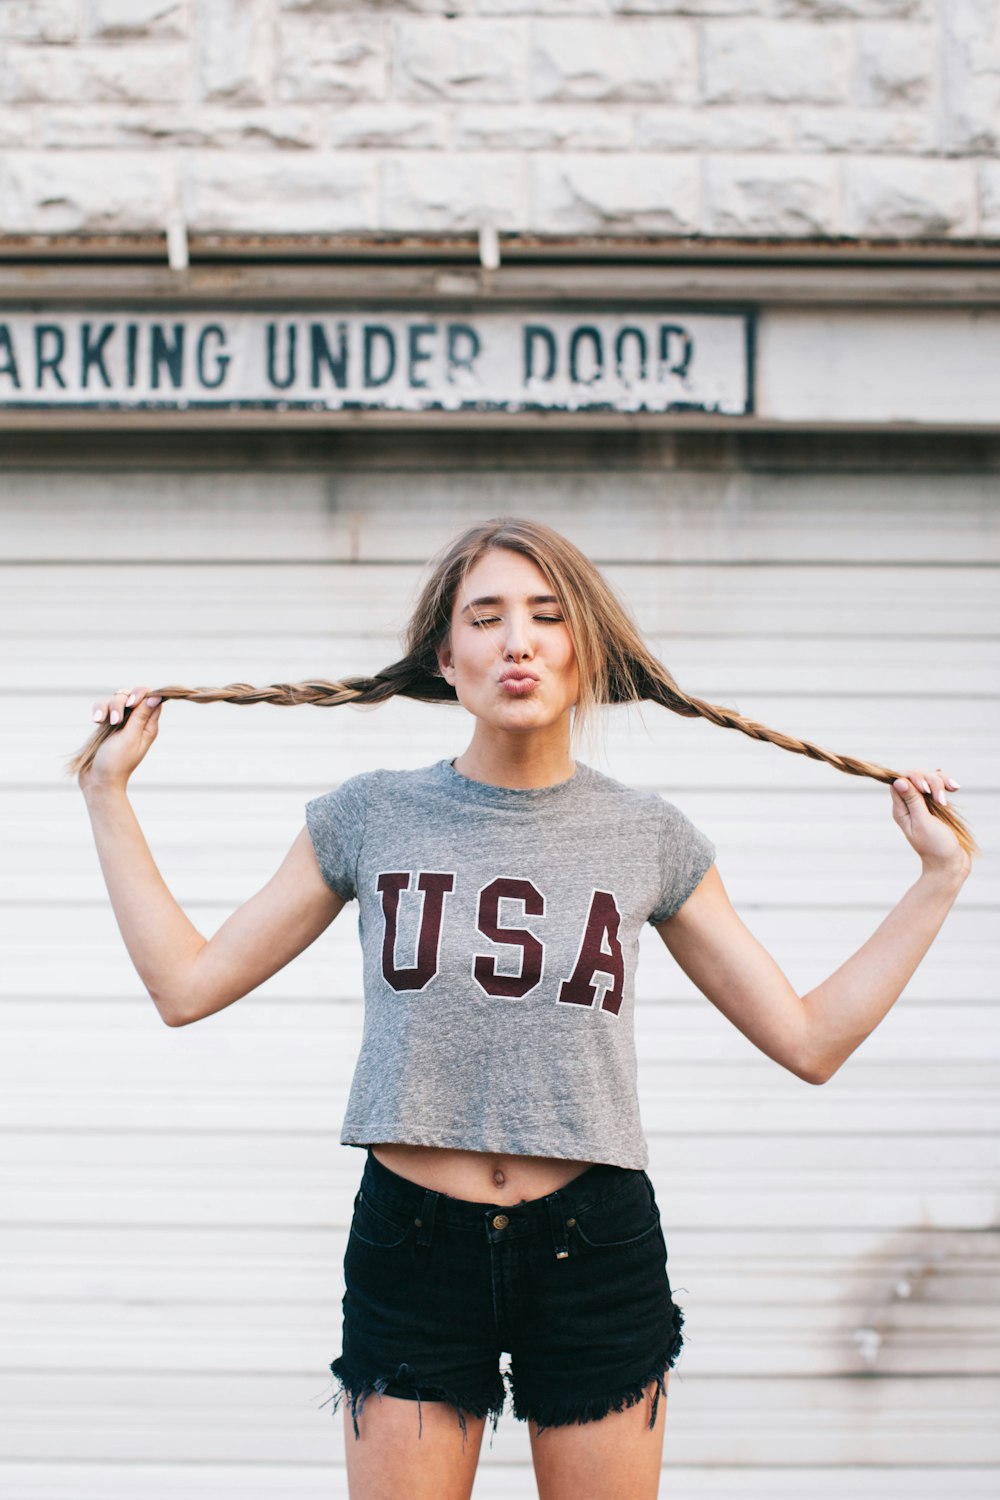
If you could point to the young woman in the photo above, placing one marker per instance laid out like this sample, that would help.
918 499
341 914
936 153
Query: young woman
503 1203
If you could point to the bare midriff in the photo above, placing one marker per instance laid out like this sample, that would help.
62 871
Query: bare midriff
478 1176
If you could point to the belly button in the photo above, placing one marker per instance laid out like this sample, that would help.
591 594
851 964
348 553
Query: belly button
499 1178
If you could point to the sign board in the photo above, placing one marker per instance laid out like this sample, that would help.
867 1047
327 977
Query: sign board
391 360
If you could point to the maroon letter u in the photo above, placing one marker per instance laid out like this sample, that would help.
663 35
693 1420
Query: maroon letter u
435 888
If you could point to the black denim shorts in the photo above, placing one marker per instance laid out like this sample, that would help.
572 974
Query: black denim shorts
573 1286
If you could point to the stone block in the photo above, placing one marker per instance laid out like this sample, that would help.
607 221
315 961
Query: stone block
139 73
895 64
970 94
649 194
632 61
134 18
39 20
772 197
988 173
864 10
380 7
773 62
235 50
338 58
74 192
712 128
909 198
192 126
450 191
319 193
477 60
387 126
863 130
691 7
541 127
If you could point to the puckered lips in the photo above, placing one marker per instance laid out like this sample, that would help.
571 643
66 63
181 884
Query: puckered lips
518 682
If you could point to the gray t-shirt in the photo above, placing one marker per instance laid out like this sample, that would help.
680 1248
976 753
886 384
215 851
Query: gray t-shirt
500 932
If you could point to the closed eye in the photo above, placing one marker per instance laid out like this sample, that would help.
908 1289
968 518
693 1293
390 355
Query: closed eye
494 619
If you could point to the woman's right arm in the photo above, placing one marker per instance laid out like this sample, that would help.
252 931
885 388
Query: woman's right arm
187 975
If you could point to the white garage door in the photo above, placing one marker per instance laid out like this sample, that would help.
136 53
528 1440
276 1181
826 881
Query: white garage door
176 1202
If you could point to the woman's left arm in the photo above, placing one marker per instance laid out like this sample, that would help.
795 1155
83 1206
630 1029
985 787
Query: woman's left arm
813 1034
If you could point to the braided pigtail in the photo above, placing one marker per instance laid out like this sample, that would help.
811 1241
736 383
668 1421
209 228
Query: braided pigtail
411 677
659 686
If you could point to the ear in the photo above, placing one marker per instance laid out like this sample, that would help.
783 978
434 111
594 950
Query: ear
445 663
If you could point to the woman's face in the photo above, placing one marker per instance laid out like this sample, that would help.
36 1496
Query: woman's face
509 655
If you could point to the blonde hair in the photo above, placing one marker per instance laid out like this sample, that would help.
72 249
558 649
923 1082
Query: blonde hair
615 664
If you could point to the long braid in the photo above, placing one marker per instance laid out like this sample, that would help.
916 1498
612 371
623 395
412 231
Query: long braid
657 684
411 677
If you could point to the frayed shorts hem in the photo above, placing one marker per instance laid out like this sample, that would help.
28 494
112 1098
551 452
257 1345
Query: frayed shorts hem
543 1412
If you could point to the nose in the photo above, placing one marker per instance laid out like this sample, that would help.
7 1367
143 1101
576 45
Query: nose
518 643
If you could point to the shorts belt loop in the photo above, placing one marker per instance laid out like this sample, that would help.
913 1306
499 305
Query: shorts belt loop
558 1226
425 1223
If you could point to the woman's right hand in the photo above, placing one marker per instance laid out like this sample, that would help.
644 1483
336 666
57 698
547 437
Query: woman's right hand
134 718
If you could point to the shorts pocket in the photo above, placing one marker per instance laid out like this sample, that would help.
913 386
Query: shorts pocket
377 1225
629 1216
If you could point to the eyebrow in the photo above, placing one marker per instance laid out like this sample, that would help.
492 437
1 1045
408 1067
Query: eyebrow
498 599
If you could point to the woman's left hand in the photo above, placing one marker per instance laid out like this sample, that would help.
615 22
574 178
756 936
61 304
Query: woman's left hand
933 840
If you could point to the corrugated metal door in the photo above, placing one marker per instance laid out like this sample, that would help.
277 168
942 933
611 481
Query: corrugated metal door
175 1201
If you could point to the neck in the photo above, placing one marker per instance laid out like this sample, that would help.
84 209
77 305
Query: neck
518 760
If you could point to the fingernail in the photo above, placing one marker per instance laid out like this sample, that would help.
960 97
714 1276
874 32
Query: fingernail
954 784
925 786
130 700
942 799
114 716
900 784
98 714
152 702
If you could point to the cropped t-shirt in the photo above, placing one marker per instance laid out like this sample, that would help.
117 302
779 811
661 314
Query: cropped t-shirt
499 928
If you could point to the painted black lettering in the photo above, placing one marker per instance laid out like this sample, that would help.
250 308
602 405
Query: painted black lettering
640 340
213 381
44 360
415 332
675 364
166 352
457 361
281 383
9 366
585 332
322 354
92 353
373 333
131 354
535 332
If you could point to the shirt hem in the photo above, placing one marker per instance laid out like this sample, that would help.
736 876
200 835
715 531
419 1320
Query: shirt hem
392 1137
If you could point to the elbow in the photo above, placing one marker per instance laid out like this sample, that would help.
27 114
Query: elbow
817 1072
171 1014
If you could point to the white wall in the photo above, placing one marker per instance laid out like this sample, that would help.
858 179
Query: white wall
175 1202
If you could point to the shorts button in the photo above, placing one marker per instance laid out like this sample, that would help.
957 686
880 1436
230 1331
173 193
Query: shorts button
500 1221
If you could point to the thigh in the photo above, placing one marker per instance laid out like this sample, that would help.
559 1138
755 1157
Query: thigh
616 1458
392 1460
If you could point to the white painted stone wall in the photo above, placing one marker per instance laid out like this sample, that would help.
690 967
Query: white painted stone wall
875 119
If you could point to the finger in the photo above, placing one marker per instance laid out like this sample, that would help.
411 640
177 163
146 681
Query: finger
949 781
123 699
931 782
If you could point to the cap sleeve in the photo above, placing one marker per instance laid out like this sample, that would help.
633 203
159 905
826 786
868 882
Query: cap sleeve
336 824
685 855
